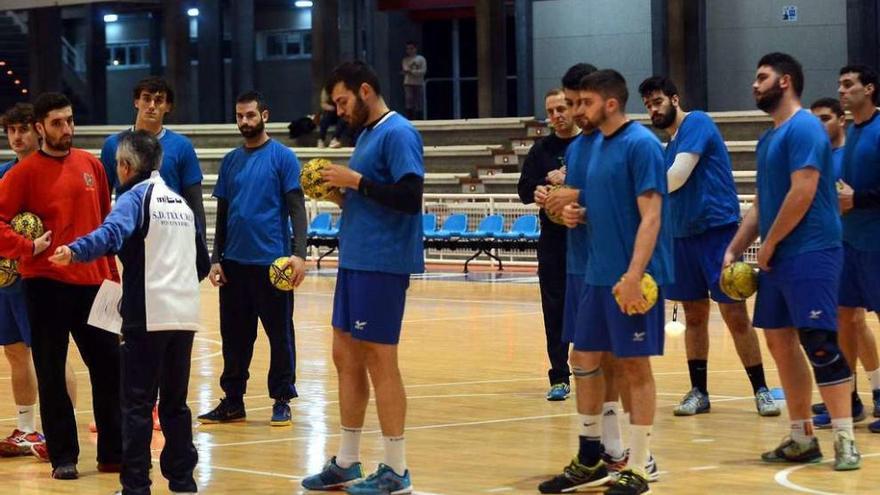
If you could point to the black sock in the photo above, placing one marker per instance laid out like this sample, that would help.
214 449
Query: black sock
590 451
698 369
756 376
855 398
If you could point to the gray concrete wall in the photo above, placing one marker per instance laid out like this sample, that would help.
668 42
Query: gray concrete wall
740 32
606 33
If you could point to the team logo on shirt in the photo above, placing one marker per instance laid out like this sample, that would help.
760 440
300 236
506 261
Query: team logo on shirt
360 325
815 314
89 180
638 336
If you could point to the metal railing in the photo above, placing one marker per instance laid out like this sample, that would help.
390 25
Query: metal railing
477 207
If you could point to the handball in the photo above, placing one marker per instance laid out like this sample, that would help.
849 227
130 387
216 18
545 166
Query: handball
739 281
552 189
310 179
28 225
649 290
8 272
281 278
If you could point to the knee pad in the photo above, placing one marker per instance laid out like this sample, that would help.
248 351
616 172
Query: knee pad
829 365
580 373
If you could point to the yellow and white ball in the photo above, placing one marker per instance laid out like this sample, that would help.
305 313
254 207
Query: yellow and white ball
310 179
280 276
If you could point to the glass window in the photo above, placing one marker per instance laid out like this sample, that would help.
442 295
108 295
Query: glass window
119 57
293 44
135 55
274 46
286 44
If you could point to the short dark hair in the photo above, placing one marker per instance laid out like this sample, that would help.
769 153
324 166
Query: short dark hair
574 74
249 96
658 83
140 149
411 42
554 91
352 75
20 113
832 104
47 102
608 83
867 75
154 84
785 65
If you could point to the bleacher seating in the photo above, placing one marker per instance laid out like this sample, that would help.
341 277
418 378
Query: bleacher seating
483 154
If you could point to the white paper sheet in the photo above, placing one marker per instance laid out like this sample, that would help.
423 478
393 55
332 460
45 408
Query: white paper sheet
105 310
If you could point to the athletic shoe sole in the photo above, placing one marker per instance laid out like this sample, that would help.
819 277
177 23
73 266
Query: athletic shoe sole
12 450
220 421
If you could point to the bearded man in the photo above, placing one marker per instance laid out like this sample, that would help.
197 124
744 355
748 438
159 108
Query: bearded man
257 193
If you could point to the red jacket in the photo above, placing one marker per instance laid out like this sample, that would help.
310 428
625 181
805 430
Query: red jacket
71 197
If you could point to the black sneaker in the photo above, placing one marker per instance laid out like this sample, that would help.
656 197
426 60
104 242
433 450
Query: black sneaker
791 451
226 412
576 476
819 408
65 472
629 482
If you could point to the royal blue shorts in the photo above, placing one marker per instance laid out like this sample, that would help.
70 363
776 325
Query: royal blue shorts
602 326
860 279
800 291
369 305
14 325
698 262
574 290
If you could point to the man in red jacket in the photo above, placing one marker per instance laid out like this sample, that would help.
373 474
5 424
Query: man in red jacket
67 188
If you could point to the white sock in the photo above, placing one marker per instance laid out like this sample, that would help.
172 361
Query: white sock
802 430
639 447
26 420
591 426
611 436
395 454
349 447
874 376
842 424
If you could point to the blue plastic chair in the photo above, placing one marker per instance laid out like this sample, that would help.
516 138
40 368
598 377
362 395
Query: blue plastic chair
522 227
453 226
429 224
319 225
488 228
334 230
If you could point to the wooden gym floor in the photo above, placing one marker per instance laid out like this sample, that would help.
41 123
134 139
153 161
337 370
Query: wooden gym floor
473 360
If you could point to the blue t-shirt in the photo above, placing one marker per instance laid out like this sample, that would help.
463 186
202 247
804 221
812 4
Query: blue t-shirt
15 288
837 156
180 166
373 237
576 157
622 167
861 170
798 143
708 198
254 182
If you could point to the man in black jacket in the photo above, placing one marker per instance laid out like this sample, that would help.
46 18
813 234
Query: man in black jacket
545 166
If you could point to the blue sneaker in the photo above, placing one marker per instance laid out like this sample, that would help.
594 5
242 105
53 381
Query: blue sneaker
383 482
874 427
280 414
333 477
876 396
823 421
559 391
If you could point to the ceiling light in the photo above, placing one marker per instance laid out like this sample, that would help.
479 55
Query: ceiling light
193 12
303 4
111 17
